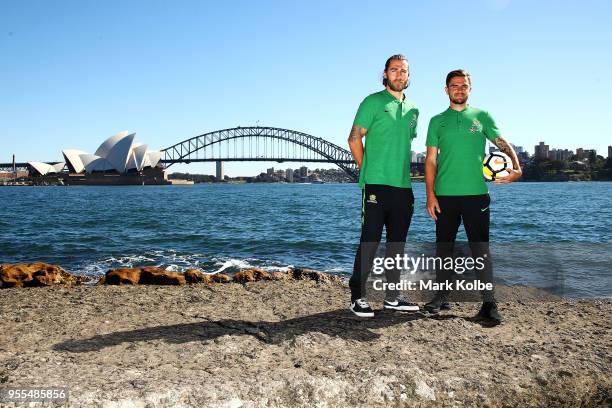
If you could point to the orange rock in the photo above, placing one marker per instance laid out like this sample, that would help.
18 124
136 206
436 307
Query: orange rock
251 275
157 276
33 274
123 276
148 275
196 276
220 278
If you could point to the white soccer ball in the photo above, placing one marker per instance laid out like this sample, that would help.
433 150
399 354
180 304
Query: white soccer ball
496 165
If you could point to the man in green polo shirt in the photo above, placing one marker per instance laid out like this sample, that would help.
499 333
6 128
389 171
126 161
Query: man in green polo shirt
456 190
388 122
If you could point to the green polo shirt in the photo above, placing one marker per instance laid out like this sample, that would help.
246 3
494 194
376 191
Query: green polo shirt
391 126
460 138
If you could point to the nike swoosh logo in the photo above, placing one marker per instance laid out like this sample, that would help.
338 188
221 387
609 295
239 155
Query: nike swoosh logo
484 209
391 303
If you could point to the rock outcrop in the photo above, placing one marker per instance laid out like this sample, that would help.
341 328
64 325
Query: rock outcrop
42 274
196 276
35 274
148 275
220 278
251 275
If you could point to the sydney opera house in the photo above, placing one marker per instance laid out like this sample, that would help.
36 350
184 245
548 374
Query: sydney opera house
118 161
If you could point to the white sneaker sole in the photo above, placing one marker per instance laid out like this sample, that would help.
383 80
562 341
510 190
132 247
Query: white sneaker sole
362 314
403 308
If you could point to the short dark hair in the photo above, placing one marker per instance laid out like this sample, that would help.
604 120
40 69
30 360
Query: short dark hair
458 73
399 57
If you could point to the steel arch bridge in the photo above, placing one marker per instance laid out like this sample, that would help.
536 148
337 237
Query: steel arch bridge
8 167
259 144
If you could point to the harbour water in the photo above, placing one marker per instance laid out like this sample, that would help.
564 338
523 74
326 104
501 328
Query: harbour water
552 235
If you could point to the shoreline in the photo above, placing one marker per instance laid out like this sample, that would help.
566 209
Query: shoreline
419 179
39 274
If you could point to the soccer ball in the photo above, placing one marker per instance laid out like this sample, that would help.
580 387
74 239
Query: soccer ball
496 165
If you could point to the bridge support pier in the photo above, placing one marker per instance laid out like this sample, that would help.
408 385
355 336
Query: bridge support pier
220 176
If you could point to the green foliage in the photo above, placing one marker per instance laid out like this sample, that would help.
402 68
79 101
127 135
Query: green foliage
197 178
561 170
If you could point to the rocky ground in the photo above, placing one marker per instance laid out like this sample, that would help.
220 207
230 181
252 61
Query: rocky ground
292 343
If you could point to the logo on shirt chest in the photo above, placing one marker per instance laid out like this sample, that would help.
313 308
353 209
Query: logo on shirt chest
476 126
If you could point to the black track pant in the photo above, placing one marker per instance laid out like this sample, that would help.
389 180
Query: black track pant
474 211
382 206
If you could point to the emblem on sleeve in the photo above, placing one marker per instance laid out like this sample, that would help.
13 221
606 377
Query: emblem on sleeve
413 122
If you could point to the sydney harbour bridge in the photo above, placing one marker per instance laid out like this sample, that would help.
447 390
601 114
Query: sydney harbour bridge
259 144
254 143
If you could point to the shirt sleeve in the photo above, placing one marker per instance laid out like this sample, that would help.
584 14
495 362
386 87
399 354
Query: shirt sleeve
416 122
432 133
489 128
365 114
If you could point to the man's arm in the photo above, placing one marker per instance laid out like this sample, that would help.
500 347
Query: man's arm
431 169
516 172
356 143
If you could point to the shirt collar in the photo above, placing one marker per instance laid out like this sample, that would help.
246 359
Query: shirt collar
386 91
467 108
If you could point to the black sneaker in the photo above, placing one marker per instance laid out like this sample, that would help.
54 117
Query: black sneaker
401 305
489 312
361 308
439 302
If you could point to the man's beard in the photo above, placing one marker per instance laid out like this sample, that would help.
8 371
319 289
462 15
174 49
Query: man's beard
459 100
398 86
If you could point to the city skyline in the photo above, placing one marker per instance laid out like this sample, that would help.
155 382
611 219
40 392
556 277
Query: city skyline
76 73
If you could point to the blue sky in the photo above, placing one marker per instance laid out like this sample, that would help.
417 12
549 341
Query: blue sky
74 73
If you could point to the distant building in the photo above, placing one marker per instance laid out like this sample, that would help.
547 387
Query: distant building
560 154
270 171
582 154
523 155
541 151
413 156
609 152
304 171
289 175
420 158
518 149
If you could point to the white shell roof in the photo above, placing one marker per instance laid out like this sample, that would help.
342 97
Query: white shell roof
95 163
108 144
42 168
87 158
74 161
131 164
59 167
153 158
119 152
140 154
